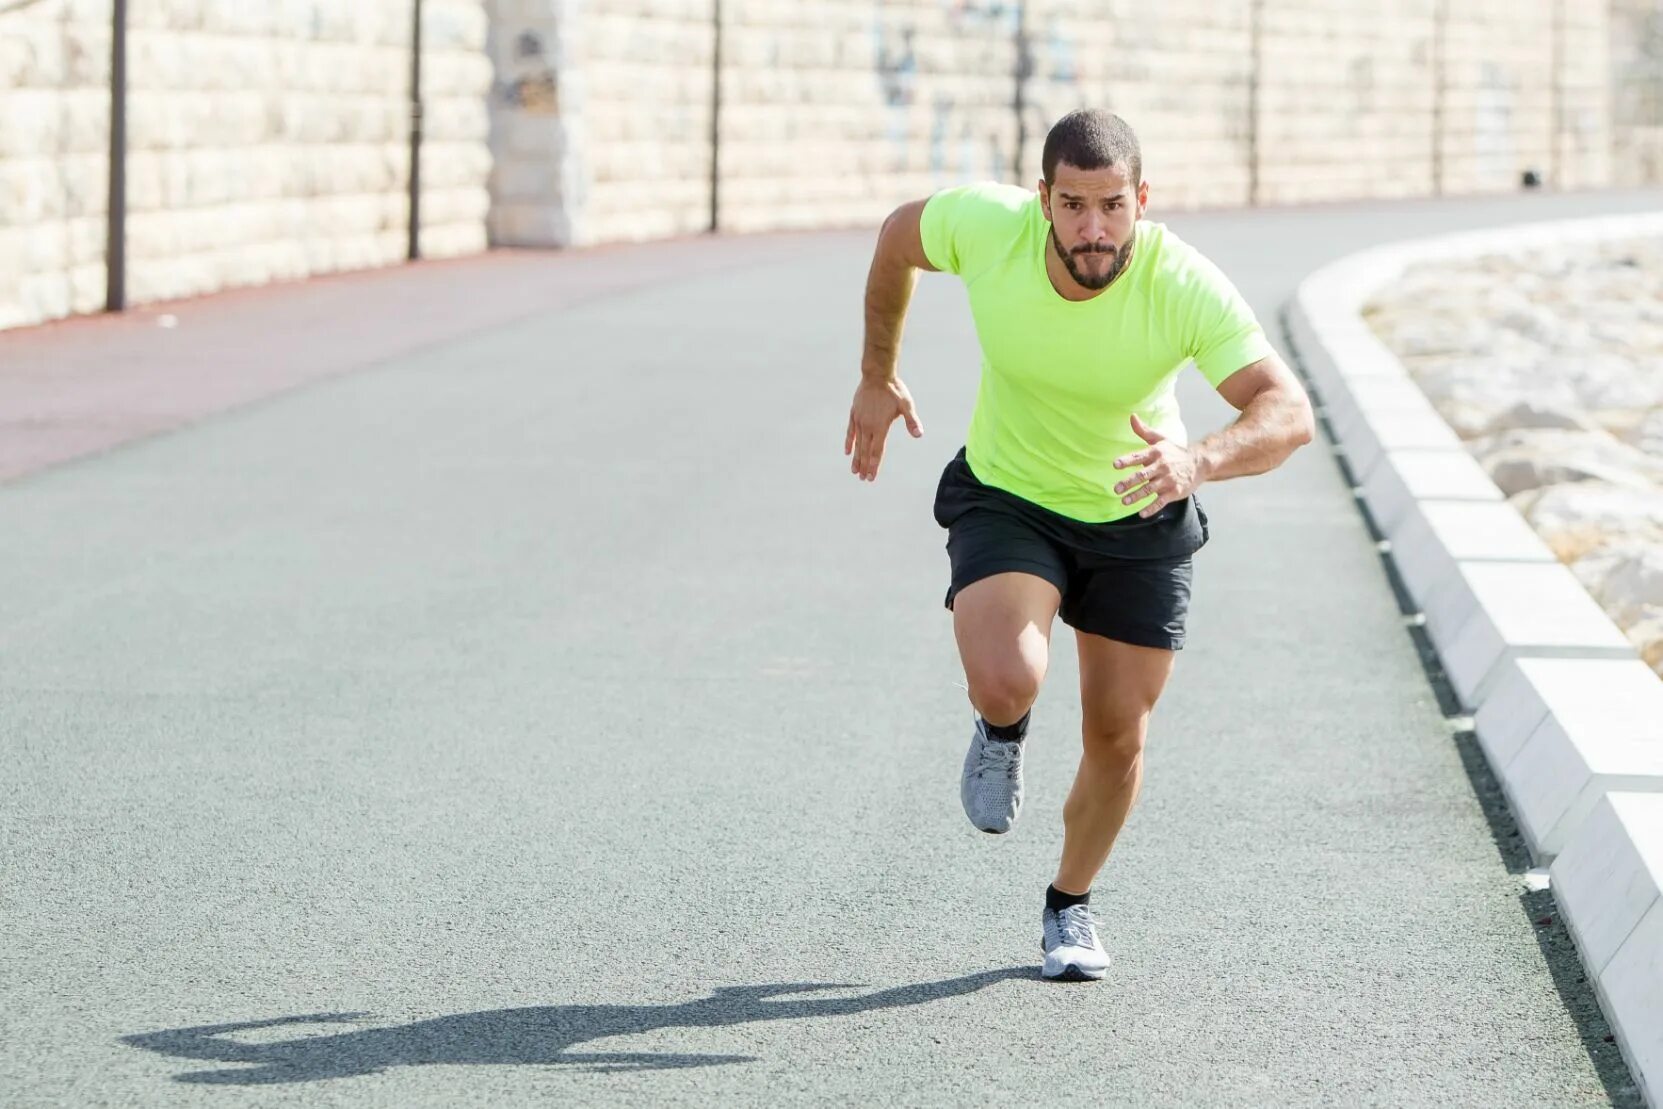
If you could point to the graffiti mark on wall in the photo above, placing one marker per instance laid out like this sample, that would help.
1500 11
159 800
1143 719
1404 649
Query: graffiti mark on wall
897 65
955 136
534 85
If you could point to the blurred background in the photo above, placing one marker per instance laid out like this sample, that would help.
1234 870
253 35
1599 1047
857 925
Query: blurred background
155 149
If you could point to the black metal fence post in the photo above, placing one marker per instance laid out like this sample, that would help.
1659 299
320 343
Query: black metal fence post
115 248
415 246
716 117
1019 95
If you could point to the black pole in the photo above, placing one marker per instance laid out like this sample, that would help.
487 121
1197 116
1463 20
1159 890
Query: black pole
115 248
1019 99
416 133
716 118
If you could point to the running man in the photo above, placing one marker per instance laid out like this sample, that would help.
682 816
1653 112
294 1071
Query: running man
1074 493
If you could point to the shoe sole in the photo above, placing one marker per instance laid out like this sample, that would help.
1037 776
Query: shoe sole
1070 972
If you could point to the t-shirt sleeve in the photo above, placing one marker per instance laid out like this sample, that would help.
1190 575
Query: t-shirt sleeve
960 225
1224 335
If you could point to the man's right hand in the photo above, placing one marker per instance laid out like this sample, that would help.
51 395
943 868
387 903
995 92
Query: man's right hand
876 405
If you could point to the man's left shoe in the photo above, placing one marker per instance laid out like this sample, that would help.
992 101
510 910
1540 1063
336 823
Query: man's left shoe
1072 951
990 787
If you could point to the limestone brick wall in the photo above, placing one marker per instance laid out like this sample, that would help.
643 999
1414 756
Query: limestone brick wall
1637 92
1523 88
601 119
1346 99
1178 71
833 111
265 141
54 158
270 141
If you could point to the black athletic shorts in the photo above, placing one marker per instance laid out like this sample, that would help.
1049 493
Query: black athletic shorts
1127 580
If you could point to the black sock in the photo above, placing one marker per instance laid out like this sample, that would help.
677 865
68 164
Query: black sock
1056 900
1009 733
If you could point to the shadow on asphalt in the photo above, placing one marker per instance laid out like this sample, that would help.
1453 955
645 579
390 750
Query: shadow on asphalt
537 1036
1558 948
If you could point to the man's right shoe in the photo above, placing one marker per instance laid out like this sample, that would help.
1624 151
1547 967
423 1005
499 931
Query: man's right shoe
991 788
1072 950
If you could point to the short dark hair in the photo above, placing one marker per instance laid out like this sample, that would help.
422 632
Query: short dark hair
1091 138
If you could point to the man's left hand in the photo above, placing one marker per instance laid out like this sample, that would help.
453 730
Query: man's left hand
1167 471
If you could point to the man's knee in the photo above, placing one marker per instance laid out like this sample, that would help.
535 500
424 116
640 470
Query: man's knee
1002 693
1115 741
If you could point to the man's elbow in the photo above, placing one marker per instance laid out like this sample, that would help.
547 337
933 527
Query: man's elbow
1301 419
1305 424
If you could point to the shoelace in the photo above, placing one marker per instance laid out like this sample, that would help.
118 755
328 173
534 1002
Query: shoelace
997 756
1074 927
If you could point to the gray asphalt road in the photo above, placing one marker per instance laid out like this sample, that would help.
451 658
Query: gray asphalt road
548 715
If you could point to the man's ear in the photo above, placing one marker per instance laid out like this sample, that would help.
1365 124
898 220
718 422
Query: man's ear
1143 197
1045 200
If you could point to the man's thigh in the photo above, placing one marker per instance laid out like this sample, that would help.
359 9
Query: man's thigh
1119 683
1003 623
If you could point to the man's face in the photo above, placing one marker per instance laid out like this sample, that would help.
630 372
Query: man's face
1093 213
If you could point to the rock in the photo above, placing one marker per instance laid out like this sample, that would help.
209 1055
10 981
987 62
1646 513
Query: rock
1625 577
1535 413
1470 393
1592 568
1530 458
1417 337
1547 326
1550 365
1606 379
1646 436
1647 637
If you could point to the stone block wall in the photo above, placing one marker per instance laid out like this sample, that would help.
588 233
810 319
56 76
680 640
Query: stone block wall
829 110
600 119
1178 72
271 141
834 111
1346 104
1524 88
1637 91
54 158
265 141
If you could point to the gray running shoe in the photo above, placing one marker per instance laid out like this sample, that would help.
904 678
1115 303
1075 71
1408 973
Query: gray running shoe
1072 952
991 788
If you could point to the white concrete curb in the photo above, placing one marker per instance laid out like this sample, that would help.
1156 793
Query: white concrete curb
1569 718
1609 885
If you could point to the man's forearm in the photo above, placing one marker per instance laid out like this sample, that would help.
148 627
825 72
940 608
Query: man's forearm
889 288
1274 424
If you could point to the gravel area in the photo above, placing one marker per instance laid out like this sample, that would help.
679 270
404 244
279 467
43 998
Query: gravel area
1550 368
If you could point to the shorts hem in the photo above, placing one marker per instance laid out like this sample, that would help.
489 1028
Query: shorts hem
1005 566
1160 641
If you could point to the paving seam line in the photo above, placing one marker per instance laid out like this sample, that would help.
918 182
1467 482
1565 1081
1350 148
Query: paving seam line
1568 716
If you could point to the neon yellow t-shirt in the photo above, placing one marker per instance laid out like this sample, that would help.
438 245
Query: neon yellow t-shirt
1060 378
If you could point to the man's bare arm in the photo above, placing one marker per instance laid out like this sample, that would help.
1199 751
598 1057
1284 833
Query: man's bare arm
1275 421
881 397
895 265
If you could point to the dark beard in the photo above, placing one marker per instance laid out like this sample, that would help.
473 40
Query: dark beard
1121 257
